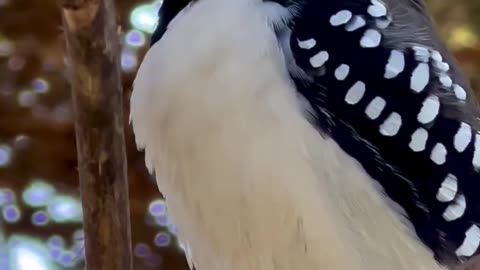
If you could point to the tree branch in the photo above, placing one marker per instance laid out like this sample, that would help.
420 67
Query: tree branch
93 51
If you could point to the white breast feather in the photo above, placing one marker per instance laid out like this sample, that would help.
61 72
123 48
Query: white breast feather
248 181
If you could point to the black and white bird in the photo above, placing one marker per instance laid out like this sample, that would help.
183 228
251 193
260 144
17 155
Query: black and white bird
310 135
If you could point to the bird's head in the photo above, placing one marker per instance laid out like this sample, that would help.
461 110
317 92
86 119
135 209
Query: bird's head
171 8
166 13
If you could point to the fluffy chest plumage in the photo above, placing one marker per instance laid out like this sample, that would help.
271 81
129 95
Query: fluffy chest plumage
248 180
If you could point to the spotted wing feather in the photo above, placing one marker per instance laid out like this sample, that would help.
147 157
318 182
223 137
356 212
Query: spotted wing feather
384 88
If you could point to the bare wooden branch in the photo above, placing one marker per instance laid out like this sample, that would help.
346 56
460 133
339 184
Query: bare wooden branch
93 50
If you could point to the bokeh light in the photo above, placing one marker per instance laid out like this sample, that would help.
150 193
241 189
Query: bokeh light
40 85
65 209
162 220
40 218
26 98
38 194
135 38
5 155
28 254
11 213
6 47
68 258
129 60
141 250
55 253
7 196
78 236
56 241
21 142
162 239
157 208
144 17
16 63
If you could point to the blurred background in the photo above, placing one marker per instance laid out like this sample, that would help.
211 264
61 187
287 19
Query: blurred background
40 211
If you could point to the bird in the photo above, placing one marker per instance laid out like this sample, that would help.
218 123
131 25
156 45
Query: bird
310 134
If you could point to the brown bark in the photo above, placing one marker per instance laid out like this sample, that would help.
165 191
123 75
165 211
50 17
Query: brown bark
93 51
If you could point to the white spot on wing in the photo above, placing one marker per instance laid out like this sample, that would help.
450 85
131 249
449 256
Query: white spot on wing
375 108
442 66
421 53
319 59
470 243
445 80
371 39
342 72
429 110
341 17
307 44
463 137
377 9
456 209
419 140
476 153
355 23
439 154
395 65
391 125
448 189
420 77
436 56
355 93
460 93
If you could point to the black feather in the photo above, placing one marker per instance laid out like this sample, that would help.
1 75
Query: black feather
409 178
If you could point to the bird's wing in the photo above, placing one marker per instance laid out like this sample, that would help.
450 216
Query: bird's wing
385 89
